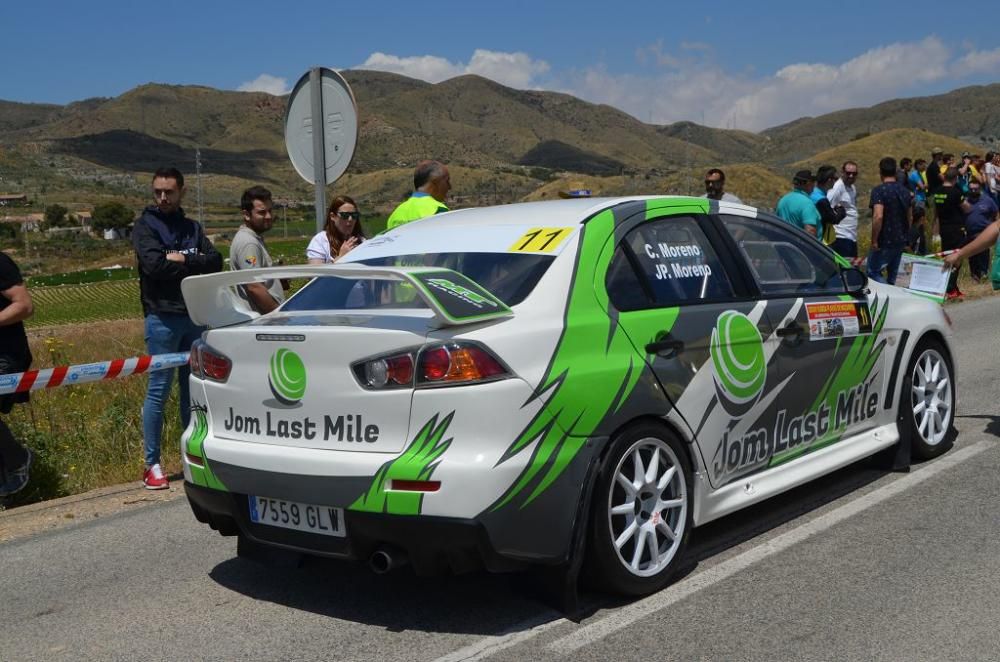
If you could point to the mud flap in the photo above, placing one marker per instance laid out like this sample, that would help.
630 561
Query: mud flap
559 586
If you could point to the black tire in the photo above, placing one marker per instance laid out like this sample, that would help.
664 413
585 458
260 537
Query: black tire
930 434
614 568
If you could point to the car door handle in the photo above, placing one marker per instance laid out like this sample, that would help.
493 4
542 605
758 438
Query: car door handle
793 329
666 348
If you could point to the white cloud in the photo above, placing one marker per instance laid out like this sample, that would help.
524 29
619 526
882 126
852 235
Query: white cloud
266 83
512 69
695 87
978 62
430 68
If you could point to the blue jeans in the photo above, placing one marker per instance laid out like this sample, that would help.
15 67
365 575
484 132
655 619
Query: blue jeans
165 333
845 247
884 258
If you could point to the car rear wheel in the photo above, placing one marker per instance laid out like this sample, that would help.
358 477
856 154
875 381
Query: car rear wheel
932 400
640 514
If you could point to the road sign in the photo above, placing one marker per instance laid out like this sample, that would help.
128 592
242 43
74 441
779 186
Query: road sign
321 151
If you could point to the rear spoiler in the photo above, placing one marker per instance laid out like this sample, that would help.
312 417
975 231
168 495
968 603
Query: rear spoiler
212 300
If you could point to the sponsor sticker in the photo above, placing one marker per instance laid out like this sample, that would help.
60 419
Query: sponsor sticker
838 319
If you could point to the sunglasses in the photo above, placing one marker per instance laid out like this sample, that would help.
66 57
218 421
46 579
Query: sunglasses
848 173
713 182
356 215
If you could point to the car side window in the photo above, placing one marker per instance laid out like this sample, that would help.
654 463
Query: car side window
676 262
782 262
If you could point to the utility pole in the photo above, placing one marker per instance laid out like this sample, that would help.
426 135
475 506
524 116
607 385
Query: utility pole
197 165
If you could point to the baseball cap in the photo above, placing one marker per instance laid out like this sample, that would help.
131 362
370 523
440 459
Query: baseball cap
937 150
804 176
965 154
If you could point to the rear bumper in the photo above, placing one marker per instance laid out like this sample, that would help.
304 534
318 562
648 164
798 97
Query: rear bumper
434 545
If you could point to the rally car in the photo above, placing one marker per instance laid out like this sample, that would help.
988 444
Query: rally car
522 384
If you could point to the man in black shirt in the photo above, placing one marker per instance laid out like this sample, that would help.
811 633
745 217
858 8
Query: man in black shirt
15 356
169 247
891 217
950 222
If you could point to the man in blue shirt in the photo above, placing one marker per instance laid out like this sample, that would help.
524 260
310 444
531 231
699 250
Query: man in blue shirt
892 213
980 215
797 208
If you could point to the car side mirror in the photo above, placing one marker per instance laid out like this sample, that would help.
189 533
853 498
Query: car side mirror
855 281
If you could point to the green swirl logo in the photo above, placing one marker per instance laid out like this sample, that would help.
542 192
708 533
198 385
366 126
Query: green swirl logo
738 357
287 376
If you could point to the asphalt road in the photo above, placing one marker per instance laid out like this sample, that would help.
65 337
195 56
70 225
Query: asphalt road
861 565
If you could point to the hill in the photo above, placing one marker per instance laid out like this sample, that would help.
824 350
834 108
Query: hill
971 113
868 151
519 139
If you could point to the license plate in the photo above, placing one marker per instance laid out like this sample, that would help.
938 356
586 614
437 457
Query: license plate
325 520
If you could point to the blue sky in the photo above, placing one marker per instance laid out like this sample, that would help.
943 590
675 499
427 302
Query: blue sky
736 64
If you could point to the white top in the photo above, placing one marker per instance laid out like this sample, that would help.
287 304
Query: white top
727 197
992 174
846 196
319 248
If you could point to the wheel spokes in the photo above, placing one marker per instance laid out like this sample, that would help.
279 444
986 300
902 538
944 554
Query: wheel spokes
665 479
640 544
627 534
654 466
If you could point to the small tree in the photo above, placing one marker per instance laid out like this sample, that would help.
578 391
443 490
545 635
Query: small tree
55 216
110 215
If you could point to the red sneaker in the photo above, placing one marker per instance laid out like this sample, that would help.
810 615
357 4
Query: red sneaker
154 479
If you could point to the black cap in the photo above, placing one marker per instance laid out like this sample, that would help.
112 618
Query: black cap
804 176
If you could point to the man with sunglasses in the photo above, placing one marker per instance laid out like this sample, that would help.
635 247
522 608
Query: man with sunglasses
844 194
249 252
715 184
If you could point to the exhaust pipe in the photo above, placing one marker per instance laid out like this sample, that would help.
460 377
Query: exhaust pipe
386 559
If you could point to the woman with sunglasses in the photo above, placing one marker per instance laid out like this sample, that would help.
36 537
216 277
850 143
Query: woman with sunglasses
341 234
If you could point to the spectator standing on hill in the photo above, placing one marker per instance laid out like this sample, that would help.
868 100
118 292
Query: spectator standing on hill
991 173
15 356
248 250
829 215
341 234
903 173
431 183
715 184
917 239
844 194
981 214
950 223
169 246
891 217
933 179
918 183
797 208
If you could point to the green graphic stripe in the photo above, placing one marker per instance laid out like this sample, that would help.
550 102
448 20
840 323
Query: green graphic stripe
679 206
584 385
737 352
862 356
203 475
417 462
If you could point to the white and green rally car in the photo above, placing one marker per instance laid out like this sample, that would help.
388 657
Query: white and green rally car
507 386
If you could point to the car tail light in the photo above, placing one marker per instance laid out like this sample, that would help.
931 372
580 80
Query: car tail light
212 364
435 365
458 363
194 360
386 372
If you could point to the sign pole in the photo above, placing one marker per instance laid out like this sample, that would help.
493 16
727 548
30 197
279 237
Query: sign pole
319 145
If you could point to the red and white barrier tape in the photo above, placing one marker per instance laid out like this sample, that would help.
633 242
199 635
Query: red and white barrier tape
34 380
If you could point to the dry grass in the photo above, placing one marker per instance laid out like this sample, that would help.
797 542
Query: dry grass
90 435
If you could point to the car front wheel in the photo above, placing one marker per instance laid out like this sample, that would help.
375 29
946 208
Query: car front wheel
641 511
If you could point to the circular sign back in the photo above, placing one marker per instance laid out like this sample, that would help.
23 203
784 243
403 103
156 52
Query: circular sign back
340 126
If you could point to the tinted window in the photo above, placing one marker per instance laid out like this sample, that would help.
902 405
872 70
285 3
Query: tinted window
784 262
509 276
677 262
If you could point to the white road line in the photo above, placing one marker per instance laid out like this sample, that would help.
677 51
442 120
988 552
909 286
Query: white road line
628 615
514 635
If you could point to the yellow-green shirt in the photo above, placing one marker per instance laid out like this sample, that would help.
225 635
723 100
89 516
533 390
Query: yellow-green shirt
417 206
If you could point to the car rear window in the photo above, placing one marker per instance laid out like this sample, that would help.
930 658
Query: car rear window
509 276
